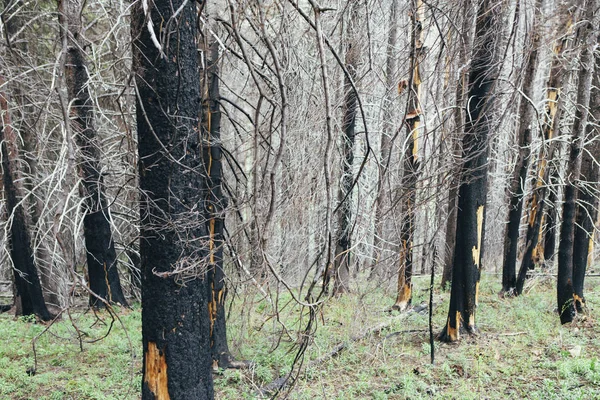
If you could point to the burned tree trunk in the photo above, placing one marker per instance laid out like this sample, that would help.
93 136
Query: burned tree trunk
215 204
103 273
472 193
343 242
587 194
517 183
588 35
411 162
29 299
465 39
174 245
546 155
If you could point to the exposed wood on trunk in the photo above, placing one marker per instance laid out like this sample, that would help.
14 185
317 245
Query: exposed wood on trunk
174 248
587 37
519 176
411 161
102 265
546 155
465 39
215 204
587 194
470 228
28 295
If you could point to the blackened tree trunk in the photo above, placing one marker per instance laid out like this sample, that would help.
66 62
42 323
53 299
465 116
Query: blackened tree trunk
174 246
411 162
102 266
465 40
588 35
517 183
215 204
546 156
29 299
587 194
344 234
470 227
22 118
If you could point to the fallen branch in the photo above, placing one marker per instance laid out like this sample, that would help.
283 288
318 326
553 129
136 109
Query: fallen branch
279 383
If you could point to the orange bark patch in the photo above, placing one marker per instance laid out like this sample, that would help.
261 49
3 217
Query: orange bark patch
453 331
155 374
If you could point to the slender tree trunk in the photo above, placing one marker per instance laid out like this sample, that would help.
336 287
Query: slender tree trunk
411 162
546 155
343 242
587 194
551 217
519 177
470 229
103 273
215 204
588 35
386 134
174 248
455 144
18 49
29 299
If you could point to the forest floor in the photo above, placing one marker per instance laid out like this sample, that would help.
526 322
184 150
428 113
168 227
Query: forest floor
521 350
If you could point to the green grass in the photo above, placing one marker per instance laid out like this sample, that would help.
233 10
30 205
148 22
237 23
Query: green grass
522 351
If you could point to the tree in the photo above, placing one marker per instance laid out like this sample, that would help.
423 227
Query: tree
470 227
214 202
344 234
587 194
174 247
519 176
411 160
566 295
546 155
28 296
102 265
465 38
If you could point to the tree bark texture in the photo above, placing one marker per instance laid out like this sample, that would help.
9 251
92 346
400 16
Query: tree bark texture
215 204
24 113
466 38
411 162
517 182
472 193
546 156
175 245
587 194
587 36
29 299
102 265
344 234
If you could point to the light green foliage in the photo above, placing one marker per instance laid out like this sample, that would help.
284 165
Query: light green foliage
520 352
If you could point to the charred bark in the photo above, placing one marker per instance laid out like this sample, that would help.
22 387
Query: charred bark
517 183
174 246
29 299
411 162
102 265
215 204
587 194
18 46
588 35
344 236
472 193
455 147
546 156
